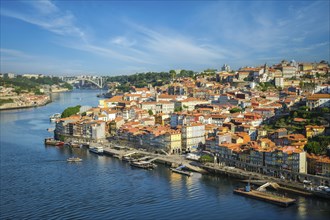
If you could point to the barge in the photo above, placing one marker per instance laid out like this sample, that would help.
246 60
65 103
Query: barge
267 197
183 172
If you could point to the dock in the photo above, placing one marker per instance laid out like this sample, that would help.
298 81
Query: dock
162 159
267 197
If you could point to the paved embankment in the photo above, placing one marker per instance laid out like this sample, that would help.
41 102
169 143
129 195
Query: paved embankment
294 187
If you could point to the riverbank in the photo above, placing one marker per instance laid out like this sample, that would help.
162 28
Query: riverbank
26 101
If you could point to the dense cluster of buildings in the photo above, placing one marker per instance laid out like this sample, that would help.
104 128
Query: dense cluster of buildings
14 100
223 114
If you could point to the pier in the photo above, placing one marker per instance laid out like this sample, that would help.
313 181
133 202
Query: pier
172 160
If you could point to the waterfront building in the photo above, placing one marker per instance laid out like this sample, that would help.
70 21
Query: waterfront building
62 126
77 127
289 158
173 141
192 136
318 165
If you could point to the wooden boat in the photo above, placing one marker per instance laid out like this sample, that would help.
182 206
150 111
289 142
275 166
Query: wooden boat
59 143
52 141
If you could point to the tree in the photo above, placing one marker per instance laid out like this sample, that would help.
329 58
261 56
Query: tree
150 112
70 111
325 110
313 147
206 159
234 110
295 114
173 73
178 109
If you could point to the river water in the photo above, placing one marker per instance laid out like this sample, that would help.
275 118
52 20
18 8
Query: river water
38 183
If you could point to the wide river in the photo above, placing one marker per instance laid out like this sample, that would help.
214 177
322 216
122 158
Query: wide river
38 183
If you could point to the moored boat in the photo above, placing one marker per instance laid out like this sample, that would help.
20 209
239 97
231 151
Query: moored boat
60 143
143 164
96 150
52 141
55 116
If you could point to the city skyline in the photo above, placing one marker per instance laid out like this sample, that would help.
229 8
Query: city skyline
112 38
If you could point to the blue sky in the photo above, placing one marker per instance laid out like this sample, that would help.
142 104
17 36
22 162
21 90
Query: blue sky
125 37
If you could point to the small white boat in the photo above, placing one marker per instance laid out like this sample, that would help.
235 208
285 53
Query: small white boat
55 116
74 159
96 150
50 129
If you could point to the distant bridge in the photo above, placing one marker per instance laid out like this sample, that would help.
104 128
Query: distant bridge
96 80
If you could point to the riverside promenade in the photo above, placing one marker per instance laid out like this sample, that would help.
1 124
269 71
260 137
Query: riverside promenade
119 151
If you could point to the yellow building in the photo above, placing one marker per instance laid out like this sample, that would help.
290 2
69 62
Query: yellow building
305 66
314 130
173 142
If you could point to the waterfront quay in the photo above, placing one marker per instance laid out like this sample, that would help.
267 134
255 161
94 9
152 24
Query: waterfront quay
213 168
260 179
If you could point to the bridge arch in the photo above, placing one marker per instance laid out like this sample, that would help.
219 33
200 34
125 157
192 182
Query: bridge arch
89 80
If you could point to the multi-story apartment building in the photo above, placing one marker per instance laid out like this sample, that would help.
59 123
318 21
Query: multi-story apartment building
85 128
288 158
190 103
173 142
158 107
192 136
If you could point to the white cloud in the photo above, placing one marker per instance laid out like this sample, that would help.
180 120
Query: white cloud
123 41
47 16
